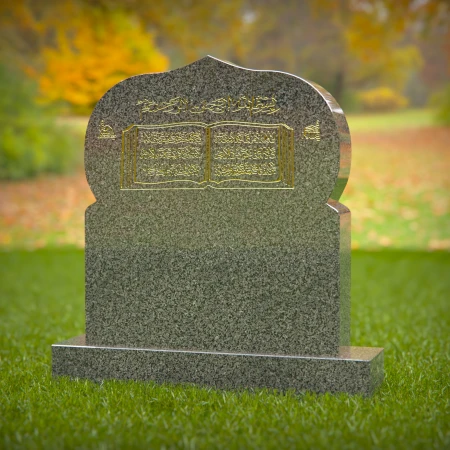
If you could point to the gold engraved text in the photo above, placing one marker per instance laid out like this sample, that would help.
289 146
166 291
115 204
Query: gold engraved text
171 153
232 170
173 170
106 132
196 155
177 105
242 137
246 153
312 132
174 137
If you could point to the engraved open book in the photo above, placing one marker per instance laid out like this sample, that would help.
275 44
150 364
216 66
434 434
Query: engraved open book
195 155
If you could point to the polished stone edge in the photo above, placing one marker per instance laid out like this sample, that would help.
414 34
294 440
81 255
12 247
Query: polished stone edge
357 370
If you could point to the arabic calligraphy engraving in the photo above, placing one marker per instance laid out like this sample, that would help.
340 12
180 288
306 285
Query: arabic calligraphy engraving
106 132
196 155
246 153
171 153
178 105
173 137
166 170
244 137
312 132
245 168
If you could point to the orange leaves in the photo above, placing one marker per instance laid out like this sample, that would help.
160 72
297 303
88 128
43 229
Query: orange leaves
382 99
90 50
375 39
76 50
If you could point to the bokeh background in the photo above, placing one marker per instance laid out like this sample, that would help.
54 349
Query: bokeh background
387 62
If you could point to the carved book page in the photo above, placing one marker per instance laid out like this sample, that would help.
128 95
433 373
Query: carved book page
195 155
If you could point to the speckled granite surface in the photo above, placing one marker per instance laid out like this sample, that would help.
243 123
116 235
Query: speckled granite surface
217 226
356 370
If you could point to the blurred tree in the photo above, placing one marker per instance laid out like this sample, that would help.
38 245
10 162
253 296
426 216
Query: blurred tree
382 99
344 44
189 29
336 43
435 48
81 50
95 52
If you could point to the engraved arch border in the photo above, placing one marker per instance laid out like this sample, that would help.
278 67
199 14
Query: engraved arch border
128 159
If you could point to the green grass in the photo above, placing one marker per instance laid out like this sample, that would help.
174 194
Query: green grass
400 301
408 118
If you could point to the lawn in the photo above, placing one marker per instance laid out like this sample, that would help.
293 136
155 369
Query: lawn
388 122
400 302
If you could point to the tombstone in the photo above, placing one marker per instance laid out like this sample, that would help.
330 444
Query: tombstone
217 252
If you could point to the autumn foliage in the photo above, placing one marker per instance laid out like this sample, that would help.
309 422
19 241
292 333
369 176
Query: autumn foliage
382 99
94 54
84 51
78 49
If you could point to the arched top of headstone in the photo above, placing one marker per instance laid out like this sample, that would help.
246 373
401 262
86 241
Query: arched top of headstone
214 126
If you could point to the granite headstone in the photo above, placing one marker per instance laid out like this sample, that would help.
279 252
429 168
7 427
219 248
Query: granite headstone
217 252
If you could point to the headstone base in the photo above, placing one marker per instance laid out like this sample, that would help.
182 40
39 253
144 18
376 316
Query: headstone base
357 370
